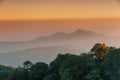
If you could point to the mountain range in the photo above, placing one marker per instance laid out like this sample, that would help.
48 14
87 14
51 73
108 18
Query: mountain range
59 38
45 48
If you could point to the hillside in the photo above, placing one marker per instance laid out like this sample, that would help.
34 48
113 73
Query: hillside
76 38
101 63
44 54
79 41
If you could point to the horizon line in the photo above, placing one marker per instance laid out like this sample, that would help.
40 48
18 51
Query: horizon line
61 19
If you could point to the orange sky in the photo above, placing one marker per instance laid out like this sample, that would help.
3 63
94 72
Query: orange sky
26 30
104 12
58 9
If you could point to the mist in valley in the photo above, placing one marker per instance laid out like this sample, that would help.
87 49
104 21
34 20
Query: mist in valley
46 48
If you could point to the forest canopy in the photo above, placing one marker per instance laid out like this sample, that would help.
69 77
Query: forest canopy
101 63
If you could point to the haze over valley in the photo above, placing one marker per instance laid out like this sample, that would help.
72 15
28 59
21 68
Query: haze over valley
59 39
46 48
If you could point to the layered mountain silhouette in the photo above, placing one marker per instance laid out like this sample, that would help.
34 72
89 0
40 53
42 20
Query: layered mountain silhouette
46 54
59 38
45 48
76 34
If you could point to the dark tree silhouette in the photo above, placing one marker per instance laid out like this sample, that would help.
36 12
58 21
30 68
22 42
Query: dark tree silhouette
27 64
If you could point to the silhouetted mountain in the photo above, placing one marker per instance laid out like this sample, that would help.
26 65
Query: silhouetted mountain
45 54
43 47
59 34
81 32
76 34
59 38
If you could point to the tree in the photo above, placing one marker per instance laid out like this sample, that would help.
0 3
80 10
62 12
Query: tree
94 75
55 65
27 64
100 50
6 73
52 77
20 74
39 71
111 65
70 67
77 67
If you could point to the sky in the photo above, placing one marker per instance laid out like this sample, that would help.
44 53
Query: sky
28 19
24 20
58 9
27 30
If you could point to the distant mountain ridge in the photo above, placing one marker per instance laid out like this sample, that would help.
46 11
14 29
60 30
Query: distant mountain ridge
46 54
75 34
45 48
59 38
78 33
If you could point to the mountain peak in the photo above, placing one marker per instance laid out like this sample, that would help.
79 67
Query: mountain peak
59 34
63 35
80 31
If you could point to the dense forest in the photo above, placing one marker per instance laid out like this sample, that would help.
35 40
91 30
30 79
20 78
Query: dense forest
101 63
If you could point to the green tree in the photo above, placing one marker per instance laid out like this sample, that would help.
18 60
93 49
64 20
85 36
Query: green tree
77 67
94 75
20 74
39 71
111 65
52 77
27 64
6 73
55 65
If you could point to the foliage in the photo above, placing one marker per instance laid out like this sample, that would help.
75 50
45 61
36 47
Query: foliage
111 65
27 64
39 71
20 74
77 67
100 50
94 75
55 65
52 77
102 63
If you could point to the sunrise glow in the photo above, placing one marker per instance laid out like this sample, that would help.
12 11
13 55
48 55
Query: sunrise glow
58 9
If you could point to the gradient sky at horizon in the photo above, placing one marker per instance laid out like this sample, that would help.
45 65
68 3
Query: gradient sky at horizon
58 9
52 13
27 30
